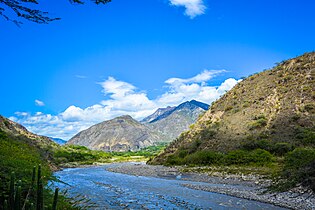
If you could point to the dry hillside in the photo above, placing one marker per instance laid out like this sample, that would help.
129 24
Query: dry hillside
277 105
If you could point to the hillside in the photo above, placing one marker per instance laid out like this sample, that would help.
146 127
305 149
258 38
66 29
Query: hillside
21 150
276 105
119 134
14 129
172 121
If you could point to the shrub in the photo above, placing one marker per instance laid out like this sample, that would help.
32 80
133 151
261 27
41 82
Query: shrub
182 153
228 108
242 157
281 148
260 121
258 144
306 136
173 160
310 107
237 157
299 169
278 149
261 157
203 158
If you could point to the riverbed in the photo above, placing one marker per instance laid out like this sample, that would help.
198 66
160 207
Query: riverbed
109 190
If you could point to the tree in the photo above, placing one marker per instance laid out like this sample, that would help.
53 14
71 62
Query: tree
22 9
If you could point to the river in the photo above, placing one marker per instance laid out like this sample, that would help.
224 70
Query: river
109 190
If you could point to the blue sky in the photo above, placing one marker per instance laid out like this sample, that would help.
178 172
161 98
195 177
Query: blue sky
99 62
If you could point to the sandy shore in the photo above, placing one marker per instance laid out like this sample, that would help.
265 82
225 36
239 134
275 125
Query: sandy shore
242 186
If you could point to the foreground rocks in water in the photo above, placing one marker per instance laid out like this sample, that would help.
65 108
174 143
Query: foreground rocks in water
250 187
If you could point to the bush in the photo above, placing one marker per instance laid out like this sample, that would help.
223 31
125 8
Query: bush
203 158
278 149
174 160
306 136
258 144
242 157
259 123
281 148
261 157
236 157
299 169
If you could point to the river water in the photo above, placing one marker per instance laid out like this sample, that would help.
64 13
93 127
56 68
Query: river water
109 190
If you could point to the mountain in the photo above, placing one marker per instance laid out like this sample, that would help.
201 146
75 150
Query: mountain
119 134
125 133
58 141
172 121
277 105
158 114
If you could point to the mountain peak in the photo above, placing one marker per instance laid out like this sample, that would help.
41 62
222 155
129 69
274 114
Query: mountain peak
120 134
162 113
171 121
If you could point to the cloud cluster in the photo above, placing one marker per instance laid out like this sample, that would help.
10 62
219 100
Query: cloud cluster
124 98
39 103
193 8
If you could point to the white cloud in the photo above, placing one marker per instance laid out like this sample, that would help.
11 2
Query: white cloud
39 103
123 98
193 8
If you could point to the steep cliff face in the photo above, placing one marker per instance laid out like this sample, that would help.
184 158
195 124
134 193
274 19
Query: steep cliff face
119 134
277 104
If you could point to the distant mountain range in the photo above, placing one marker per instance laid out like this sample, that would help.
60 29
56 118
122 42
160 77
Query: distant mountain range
125 133
58 141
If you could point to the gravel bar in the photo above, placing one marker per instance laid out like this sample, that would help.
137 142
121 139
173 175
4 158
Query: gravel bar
243 186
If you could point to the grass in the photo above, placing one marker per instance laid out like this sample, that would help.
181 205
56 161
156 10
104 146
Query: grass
17 156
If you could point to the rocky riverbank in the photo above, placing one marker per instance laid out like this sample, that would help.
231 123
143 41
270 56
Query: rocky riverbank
251 187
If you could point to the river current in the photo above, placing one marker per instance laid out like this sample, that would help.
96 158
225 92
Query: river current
109 190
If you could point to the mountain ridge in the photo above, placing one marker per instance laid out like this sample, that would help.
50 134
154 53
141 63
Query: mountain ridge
126 134
119 134
178 119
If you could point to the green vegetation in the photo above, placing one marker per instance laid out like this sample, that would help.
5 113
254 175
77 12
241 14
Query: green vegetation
289 165
17 156
147 152
298 170
278 149
259 122
73 155
80 155
13 199
257 157
305 136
